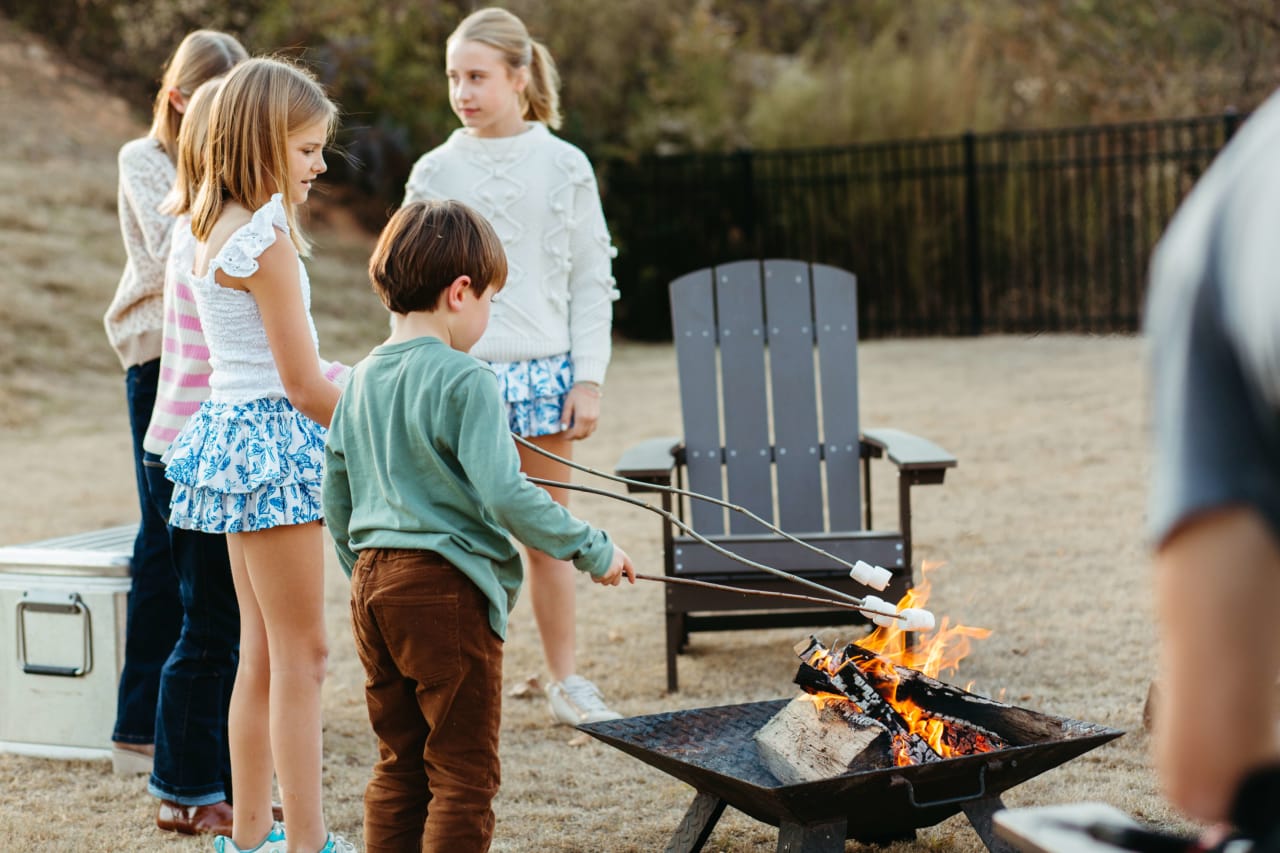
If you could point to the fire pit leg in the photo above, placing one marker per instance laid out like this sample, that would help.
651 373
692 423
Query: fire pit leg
980 813
812 838
698 822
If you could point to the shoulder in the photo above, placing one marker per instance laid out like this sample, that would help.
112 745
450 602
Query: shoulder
447 150
242 242
467 375
568 159
143 152
541 135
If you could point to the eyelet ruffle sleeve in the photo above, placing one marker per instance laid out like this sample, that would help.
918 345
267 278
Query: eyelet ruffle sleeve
239 256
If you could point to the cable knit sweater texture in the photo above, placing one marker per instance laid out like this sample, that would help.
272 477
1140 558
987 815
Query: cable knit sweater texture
540 194
135 318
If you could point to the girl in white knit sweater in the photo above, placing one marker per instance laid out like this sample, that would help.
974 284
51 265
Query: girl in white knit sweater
549 333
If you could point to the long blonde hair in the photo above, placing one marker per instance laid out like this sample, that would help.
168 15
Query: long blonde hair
506 33
201 55
191 144
246 159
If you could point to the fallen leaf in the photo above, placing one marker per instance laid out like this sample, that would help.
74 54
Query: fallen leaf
527 689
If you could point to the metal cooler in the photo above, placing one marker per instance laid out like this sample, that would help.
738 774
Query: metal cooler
62 626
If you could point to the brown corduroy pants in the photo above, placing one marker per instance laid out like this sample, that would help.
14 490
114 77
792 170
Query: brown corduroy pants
433 684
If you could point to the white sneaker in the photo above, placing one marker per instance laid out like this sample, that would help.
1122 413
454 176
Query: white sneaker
273 843
576 700
337 844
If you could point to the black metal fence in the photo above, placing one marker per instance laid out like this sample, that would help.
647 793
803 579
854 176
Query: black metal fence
1026 231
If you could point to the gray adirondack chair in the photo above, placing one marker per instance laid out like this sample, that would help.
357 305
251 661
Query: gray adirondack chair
767 359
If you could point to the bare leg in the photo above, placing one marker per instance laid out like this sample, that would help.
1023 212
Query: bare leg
249 739
286 568
551 581
1217 581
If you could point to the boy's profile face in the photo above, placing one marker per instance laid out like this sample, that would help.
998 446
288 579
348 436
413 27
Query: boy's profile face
471 318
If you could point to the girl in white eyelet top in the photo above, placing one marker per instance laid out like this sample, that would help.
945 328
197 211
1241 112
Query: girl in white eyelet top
249 462
548 338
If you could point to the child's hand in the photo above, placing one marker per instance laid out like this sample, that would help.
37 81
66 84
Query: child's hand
621 565
581 411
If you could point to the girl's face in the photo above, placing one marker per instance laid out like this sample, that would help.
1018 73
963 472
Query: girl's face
483 90
306 159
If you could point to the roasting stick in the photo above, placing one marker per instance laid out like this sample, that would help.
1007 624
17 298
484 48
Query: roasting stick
873 576
812 599
870 605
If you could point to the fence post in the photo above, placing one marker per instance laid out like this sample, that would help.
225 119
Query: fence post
747 208
972 233
1230 121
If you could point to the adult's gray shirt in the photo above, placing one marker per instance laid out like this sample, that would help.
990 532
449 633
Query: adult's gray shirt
1213 331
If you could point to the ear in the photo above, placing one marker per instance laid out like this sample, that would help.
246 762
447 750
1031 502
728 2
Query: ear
522 78
456 294
177 100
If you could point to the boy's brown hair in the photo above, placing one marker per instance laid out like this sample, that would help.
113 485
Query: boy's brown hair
428 244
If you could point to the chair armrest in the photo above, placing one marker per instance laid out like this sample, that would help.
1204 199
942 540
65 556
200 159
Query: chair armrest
649 461
909 452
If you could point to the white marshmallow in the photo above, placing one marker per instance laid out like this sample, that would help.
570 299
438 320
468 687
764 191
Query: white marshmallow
873 576
917 619
872 603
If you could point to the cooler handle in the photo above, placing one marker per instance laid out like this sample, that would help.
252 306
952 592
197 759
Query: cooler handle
68 603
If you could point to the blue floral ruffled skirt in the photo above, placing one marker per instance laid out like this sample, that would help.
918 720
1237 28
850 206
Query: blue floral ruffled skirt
240 467
534 392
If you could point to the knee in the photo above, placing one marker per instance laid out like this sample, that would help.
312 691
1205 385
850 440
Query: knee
308 659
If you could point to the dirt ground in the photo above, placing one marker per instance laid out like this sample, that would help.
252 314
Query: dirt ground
1039 529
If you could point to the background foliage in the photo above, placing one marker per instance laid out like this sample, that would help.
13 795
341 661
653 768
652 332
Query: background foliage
648 78
663 76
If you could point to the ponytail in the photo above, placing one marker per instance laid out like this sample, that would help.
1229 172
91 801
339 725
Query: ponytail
542 95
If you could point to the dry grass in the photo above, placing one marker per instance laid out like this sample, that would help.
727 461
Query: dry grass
1039 528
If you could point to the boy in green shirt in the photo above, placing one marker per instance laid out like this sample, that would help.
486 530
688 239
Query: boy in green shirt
422 491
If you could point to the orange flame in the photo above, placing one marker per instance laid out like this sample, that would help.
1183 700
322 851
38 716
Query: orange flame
932 653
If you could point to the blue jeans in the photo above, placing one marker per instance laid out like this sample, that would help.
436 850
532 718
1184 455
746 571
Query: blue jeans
192 764
154 613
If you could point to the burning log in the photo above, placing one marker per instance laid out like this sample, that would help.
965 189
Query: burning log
921 734
849 681
814 738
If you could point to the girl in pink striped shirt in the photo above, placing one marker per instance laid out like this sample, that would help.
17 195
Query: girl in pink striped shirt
191 775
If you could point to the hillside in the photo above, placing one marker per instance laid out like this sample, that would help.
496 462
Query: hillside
60 245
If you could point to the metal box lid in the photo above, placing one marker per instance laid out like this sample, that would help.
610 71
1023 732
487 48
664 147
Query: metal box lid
100 552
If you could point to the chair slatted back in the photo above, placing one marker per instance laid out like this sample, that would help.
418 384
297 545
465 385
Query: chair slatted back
769 398
835 305
795 399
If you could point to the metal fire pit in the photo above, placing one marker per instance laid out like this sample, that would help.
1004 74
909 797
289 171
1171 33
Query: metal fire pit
713 750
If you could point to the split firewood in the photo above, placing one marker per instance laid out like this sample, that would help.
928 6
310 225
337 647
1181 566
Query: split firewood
810 739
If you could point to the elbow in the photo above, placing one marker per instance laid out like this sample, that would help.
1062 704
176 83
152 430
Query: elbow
315 399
